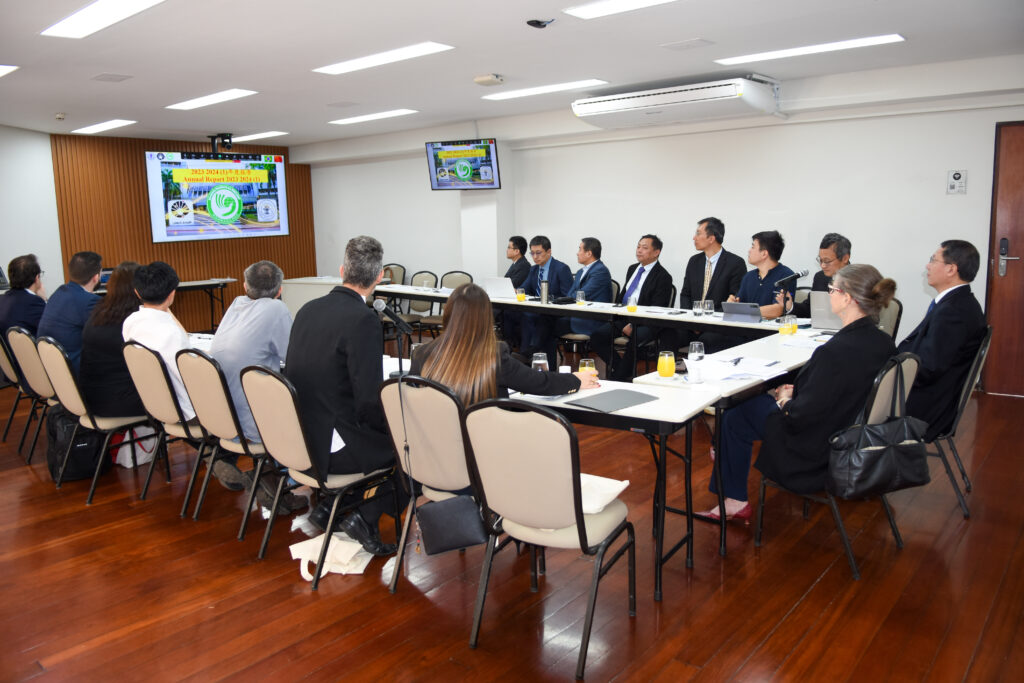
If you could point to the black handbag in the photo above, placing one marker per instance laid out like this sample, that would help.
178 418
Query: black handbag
870 460
450 524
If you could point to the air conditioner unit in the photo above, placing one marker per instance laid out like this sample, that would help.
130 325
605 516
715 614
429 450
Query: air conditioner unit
697 102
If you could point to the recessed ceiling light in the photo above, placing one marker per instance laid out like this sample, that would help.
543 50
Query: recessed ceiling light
106 125
602 8
373 117
396 55
813 49
215 98
6 69
96 16
258 136
544 89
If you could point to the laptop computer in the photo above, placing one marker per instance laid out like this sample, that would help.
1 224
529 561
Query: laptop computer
822 317
499 287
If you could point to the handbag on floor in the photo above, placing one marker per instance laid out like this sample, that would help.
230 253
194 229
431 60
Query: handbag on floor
60 425
870 460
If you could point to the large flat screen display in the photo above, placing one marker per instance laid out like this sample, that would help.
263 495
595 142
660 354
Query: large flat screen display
208 196
464 165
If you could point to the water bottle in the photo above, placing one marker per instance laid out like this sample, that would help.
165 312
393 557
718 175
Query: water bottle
544 291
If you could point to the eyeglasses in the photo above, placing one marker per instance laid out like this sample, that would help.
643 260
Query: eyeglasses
832 289
825 262
932 259
536 253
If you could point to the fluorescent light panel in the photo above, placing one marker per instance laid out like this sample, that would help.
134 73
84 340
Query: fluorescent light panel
396 55
97 16
373 117
544 89
215 98
6 69
258 136
813 49
106 125
602 8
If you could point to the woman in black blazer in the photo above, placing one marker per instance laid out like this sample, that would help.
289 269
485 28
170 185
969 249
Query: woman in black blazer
795 421
468 358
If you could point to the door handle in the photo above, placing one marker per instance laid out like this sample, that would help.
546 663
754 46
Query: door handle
1002 263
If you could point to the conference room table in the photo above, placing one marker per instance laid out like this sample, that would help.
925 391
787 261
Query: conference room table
670 411
735 375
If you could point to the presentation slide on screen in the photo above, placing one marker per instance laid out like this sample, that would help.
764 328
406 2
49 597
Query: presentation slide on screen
196 196
471 165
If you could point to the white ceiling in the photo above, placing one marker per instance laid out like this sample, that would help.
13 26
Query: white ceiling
183 49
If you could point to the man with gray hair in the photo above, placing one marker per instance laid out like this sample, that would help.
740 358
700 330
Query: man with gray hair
833 255
254 331
335 362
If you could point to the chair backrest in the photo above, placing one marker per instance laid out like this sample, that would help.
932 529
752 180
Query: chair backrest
275 410
880 405
153 382
395 272
23 346
208 390
890 316
454 278
672 299
433 426
58 369
7 363
615 291
524 461
423 278
973 375
802 294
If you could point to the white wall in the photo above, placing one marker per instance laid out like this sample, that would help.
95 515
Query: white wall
27 193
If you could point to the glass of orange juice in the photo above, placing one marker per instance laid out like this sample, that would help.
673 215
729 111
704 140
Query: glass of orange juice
666 364
587 365
520 294
631 304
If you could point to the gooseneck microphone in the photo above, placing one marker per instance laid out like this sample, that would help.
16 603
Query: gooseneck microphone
403 327
794 276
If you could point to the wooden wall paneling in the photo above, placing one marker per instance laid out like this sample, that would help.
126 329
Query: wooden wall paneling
103 206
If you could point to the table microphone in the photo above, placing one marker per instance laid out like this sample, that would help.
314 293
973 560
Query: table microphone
794 276
403 327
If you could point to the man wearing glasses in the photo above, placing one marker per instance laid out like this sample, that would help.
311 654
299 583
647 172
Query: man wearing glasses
833 255
537 329
948 337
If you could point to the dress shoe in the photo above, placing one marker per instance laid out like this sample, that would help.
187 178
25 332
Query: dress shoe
743 514
359 530
289 502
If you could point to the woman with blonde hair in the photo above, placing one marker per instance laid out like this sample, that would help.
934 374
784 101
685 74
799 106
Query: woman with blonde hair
794 421
468 358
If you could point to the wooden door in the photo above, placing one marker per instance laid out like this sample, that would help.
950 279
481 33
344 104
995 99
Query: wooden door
1004 369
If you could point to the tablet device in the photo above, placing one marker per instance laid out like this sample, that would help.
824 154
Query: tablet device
741 312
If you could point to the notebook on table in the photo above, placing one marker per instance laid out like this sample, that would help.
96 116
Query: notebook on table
610 401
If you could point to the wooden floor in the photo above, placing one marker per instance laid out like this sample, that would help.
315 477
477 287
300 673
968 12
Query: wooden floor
126 590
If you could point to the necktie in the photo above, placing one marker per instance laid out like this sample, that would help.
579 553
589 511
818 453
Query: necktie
707 280
930 307
634 283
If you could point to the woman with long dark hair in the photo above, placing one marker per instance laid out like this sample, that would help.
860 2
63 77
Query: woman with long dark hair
468 358
107 386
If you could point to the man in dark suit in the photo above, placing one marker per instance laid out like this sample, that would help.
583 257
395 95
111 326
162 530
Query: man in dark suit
22 305
520 268
833 255
651 284
595 281
334 361
714 274
948 337
536 329
70 306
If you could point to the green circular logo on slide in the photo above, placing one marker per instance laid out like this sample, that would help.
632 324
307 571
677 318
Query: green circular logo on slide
463 169
224 204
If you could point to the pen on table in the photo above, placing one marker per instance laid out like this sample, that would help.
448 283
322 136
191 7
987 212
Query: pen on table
774 362
736 360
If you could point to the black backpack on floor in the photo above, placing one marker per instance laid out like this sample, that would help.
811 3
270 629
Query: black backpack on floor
60 424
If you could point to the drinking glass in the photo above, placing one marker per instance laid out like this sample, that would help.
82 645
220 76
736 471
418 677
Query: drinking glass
631 304
666 364
696 351
581 297
587 365
698 308
709 307
787 324
693 362
540 362
520 294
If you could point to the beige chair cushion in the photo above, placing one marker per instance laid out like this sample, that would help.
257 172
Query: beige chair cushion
112 423
334 481
599 526
436 495
255 447
572 336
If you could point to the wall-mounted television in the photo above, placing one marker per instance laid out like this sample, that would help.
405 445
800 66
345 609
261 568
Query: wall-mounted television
213 196
464 165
